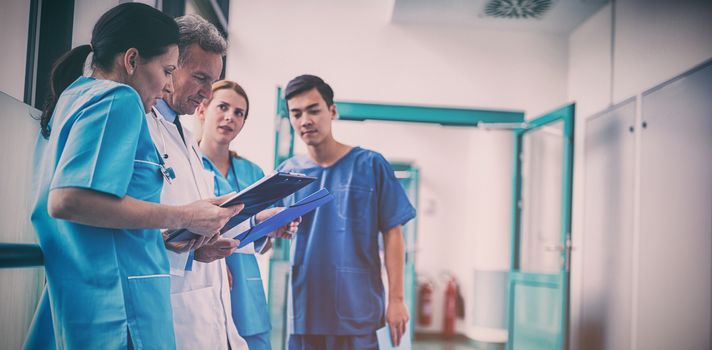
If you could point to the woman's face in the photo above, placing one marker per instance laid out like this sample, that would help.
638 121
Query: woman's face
224 117
154 76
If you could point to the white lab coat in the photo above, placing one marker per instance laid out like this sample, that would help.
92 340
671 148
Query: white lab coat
200 298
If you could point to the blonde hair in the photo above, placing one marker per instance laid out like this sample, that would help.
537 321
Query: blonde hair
221 85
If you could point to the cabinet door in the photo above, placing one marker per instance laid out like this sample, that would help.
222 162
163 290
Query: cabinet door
675 258
603 296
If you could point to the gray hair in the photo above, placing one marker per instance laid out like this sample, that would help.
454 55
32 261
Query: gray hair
195 29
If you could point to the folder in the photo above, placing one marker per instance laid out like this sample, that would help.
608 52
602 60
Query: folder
282 218
256 197
384 339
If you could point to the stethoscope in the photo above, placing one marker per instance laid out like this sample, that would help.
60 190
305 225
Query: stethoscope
167 171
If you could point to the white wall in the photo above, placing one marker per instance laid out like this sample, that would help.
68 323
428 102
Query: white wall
654 41
20 287
650 42
86 13
14 18
657 40
353 46
14 21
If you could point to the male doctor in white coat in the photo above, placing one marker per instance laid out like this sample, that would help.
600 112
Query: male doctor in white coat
200 292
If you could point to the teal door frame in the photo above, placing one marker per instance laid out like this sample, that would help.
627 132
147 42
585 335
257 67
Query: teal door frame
409 177
529 286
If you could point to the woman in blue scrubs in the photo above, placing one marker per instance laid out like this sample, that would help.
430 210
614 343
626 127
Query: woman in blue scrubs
99 179
222 118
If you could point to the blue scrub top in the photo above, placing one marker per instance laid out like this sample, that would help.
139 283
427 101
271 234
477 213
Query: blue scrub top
102 282
336 268
249 305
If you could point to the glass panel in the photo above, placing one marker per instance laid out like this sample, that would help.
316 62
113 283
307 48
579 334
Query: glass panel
20 287
542 176
284 140
536 316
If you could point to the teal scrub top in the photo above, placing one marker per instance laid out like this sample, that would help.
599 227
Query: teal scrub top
249 305
104 285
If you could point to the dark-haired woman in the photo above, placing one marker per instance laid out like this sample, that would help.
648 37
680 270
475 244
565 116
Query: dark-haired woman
99 182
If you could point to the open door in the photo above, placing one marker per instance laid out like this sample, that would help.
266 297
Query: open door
538 290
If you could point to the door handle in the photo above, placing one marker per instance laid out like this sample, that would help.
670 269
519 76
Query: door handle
554 247
558 247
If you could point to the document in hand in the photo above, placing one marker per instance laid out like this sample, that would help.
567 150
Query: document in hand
384 339
256 197
282 218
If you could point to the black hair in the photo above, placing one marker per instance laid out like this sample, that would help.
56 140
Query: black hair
306 82
129 25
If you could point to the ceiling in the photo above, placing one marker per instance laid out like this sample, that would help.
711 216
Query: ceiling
556 16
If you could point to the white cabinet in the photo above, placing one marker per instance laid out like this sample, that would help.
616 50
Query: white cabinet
646 245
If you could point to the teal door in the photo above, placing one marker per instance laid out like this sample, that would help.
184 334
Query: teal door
538 287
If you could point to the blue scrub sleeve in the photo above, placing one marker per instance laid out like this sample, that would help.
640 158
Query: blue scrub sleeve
101 144
394 208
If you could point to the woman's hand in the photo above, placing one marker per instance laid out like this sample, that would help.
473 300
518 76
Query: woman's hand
206 217
286 231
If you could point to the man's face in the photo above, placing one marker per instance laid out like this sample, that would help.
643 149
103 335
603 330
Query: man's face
311 117
193 78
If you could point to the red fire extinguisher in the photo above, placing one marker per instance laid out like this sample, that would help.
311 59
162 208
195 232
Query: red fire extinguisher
450 308
425 303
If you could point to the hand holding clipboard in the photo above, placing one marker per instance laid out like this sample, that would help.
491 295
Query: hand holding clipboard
256 197
282 218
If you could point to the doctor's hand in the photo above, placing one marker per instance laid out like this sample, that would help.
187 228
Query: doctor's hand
184 246
221 248
205 217
397 319
286 231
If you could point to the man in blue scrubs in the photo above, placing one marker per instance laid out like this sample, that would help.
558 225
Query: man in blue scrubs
337 294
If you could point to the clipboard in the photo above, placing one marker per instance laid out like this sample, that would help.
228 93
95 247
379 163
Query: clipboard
256 197
282 218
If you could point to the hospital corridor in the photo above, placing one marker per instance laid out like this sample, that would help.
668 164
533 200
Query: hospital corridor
356 174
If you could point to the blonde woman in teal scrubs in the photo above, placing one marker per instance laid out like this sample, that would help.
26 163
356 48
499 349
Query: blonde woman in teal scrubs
223 117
